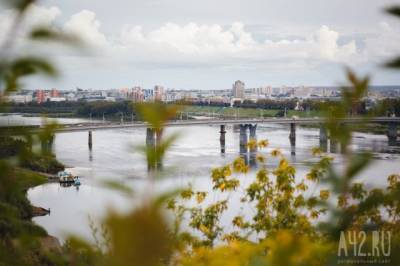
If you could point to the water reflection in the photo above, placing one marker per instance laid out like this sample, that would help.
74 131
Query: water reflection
90 154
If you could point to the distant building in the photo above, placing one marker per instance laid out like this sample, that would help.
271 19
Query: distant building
18 98
71 97
172 95
57 99
148 94
302 92
54 93
136 94
236 100
40 96
158 93
238 89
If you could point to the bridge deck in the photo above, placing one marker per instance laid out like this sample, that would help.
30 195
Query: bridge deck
102 126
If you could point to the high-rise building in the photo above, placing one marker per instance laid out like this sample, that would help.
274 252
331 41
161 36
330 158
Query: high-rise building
158 93
238 89
147 94
54 93
136 94
40 96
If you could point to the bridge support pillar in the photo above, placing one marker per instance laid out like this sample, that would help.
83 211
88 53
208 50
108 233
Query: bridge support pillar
323 138
222 138
253 134
253 148
158 138
343 145
392 134
243 142
243 138
47 145
150 145
333 145
90 141
292 138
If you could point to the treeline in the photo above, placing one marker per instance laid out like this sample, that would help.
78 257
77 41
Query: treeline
387 107
100 108
96 109
205 103
45 107
80 108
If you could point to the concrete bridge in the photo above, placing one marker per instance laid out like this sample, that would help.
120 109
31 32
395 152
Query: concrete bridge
296 121
247 129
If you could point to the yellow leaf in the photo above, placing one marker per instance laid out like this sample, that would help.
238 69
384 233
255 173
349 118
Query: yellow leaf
324 194
204 229
200 196
260 158
276 153
263 143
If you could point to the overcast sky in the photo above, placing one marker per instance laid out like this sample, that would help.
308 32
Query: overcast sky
209 44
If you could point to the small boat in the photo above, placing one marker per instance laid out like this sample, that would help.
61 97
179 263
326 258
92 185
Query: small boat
77 182
65 177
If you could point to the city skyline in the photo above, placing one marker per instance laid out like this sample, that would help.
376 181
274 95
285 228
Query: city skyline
238 92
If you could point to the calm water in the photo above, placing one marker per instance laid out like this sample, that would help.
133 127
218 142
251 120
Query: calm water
21 120
115 156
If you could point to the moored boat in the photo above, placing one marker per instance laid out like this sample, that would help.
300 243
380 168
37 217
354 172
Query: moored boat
66 177
77 182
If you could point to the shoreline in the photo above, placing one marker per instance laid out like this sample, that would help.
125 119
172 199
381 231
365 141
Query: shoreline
48 242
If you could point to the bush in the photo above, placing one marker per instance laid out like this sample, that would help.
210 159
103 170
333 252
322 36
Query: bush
10 146
43 163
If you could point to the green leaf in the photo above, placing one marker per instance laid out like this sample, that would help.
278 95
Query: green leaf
155 154
26 66
21 5
157 113
358 163
394 10
395 63
164 197
47 34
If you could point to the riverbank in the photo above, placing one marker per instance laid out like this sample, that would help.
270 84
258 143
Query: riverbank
16 210
29 179
23 242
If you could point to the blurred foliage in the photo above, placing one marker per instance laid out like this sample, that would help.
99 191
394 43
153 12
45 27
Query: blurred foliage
21 241
23 67
156 114
395 11
140 238
47 34
292 222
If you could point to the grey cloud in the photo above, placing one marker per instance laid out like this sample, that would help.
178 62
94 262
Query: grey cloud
275 21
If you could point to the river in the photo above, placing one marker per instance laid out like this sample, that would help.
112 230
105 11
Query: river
115 156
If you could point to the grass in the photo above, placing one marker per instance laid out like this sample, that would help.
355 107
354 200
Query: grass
244 112
15 208
28 178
